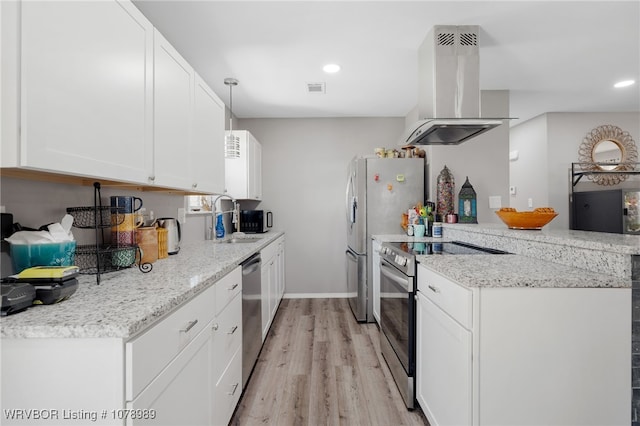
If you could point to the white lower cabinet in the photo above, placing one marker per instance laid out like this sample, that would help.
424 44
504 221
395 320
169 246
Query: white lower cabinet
202 381
444 351
272 277
226 351
179 395
227 391
520 355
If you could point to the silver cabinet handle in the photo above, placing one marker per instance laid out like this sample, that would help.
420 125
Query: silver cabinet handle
434 289
194 185
214 327
233 287
189 326
233 389
233 329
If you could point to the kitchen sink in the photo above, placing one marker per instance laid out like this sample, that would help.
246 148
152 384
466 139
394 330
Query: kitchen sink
242 240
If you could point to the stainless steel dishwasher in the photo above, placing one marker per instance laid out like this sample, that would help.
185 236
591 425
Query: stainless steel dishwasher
251 315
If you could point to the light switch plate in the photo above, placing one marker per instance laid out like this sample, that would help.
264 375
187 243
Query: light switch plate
495 202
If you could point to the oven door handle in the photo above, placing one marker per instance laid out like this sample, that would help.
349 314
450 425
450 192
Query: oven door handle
390 272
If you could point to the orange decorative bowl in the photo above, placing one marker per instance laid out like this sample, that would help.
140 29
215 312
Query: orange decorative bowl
535 219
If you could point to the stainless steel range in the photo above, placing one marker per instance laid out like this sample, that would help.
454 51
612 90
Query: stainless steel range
398 307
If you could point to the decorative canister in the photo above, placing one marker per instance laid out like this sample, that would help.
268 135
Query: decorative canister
444 197
162 243
147 239
437 230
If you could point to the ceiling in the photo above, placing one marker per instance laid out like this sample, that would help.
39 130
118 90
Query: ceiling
555 56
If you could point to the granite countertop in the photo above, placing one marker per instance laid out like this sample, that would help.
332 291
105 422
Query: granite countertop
128 301
512 270
618 243
534 267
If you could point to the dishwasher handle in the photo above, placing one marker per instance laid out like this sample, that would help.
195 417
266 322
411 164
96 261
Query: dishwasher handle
250 265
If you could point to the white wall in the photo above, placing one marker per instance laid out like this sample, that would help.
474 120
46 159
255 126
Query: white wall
36 203
484 159
304 169
529 172
556 137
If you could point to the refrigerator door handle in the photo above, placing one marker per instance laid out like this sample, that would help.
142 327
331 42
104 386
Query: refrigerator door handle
351 203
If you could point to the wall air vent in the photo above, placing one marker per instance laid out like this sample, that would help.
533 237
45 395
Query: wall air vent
316 88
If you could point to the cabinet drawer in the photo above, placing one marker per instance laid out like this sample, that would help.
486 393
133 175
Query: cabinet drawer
179 395
227 336
227 391
227 288
452 298
149 353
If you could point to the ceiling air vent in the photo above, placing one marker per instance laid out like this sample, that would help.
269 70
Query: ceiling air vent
316 88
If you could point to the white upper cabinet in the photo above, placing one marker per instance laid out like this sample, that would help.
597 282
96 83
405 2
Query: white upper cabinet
207 148
174 81
243 175
80 98
86 90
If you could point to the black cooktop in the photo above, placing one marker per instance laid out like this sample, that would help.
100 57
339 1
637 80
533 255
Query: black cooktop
437 248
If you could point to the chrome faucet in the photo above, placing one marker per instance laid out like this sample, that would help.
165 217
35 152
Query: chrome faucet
235 218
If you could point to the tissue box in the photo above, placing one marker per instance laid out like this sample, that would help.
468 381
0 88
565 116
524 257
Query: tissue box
24 256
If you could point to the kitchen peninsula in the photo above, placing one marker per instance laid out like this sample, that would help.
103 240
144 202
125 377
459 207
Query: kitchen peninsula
540 336
131 345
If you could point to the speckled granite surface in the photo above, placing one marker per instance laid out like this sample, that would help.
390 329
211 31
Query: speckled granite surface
509 270
540 258
129 301
608 254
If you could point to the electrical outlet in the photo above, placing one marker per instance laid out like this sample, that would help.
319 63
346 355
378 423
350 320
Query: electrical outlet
512 190
182 215
530 202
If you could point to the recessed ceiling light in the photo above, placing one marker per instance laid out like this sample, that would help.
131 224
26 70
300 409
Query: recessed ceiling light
624 83
331 68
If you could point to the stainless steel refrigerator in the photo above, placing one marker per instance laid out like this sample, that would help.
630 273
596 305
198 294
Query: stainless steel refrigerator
378 191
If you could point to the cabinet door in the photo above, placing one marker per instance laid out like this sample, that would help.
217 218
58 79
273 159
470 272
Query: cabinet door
255 169
181 393
243 175
273 288
281 270
266 313
172 106
443 367
207 148
376 280
86 89
236 169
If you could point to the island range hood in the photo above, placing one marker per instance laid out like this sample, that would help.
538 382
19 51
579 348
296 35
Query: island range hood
449 89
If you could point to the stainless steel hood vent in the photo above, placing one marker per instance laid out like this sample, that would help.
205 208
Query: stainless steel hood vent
449 89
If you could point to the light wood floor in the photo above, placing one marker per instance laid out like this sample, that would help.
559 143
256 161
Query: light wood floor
318 366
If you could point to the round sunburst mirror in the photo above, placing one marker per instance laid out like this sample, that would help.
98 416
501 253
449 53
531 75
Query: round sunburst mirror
607 148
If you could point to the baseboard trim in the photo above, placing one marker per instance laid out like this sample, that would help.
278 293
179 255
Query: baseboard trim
316 295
